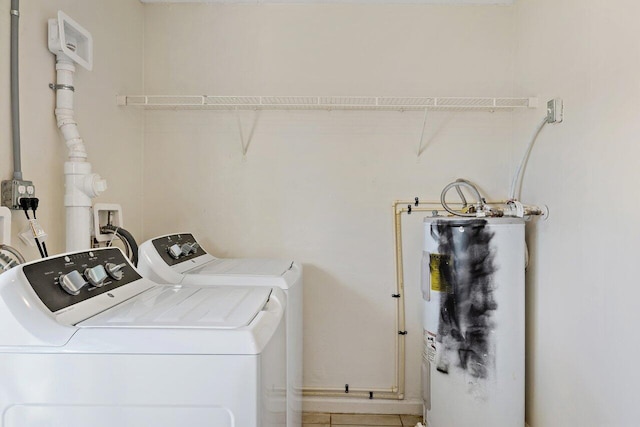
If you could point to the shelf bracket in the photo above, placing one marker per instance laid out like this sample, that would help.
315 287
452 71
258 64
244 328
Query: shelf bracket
245 144
421 146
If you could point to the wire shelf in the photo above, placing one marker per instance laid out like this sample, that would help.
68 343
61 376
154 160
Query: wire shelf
205 102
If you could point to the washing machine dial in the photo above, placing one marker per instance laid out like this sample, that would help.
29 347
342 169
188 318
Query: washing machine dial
187 248
96 275
115 270
175 251
72 282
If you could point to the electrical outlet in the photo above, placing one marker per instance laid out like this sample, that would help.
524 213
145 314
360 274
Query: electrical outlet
14 190
554 110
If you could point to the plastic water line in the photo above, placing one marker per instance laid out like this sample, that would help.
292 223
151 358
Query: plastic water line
397 391
516 184
15 90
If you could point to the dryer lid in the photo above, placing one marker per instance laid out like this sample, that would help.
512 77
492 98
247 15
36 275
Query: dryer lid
244 267
212 307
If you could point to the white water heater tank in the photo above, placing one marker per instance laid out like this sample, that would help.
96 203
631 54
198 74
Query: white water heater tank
474 330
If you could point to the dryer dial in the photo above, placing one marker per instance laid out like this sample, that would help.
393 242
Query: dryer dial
175 251
187 248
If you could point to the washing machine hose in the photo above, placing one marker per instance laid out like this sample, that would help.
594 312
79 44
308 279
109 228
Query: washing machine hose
127 238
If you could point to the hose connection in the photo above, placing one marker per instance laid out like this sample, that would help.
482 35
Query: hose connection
511 208
479 209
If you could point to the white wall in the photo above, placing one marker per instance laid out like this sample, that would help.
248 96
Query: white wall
113 135
317 186
582 287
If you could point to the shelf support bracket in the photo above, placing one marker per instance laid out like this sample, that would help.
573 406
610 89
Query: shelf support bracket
421 146
245 144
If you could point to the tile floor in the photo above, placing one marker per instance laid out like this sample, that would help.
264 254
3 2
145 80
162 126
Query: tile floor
357 420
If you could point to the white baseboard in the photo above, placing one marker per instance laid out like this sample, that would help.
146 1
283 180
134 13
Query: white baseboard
348 405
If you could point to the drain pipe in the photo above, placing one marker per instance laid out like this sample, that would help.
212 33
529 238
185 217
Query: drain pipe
81 185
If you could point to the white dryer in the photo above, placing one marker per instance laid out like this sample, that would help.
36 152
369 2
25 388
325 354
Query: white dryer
179 259
86 341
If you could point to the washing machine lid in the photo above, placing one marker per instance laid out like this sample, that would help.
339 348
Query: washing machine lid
186 307
244 267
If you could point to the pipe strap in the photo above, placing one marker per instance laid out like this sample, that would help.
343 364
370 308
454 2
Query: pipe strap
62 87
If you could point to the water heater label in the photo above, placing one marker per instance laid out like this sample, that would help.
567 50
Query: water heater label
437 264
429 351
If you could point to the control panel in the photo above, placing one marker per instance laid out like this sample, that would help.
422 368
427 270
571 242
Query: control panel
66 280
177 248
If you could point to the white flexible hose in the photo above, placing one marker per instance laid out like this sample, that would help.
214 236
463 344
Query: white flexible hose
516 184
461 194
458 183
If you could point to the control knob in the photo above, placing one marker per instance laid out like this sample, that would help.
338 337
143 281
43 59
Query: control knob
72 282
96 275
175 251
187 248
115 270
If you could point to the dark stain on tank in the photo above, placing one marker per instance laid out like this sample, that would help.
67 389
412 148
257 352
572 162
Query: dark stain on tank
468 303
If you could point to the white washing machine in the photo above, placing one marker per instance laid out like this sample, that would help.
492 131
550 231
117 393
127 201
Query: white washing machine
86 341
179 259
